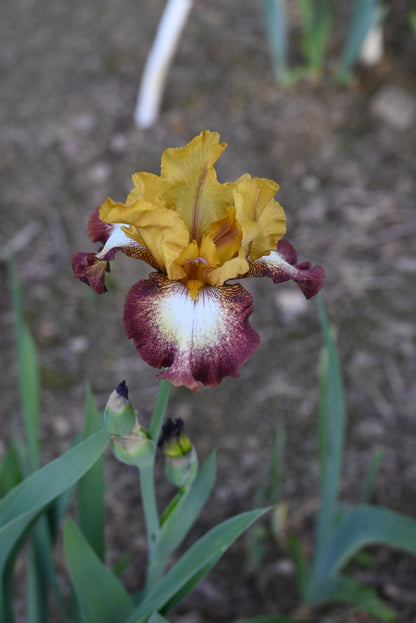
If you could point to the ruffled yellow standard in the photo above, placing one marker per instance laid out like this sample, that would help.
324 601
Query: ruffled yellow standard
198 234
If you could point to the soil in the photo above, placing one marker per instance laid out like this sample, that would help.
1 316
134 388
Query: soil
347 171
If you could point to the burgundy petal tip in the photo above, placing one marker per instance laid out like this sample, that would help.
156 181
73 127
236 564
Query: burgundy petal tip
91 270
281 265
98 231
313 281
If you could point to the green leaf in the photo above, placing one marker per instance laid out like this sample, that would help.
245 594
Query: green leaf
101 596
301 565
201 556
29 383
276 25
375 462
157 618
42 575
413 15
346 589
331 431
91 487
10 473
19 507
316 28
366 14
272 618
363 526
184 514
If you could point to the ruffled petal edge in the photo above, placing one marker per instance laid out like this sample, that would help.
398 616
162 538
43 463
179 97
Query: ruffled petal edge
281 265
91 267
199 341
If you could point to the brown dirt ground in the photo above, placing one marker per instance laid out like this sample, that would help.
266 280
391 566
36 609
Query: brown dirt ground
70 73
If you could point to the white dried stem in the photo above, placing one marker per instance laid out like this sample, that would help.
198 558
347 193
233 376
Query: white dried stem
155 71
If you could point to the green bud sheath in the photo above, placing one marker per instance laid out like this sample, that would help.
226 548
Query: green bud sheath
119 415
136 448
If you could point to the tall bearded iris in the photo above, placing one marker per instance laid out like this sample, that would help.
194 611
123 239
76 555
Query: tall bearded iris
198 234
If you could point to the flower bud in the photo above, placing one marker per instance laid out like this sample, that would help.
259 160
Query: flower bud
119 415
136 448
181 459
130 442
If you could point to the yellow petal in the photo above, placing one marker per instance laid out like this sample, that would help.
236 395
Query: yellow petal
147 187
165 235
115 212
190 183
233 268
226 235
261 218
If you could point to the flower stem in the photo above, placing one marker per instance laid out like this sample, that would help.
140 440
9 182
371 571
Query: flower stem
147 483
159 410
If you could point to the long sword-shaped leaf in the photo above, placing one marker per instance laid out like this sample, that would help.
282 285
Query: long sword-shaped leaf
276 26
202 555
366 14
90 489
19 507
366 525
29 383
186 511
101 596
331 431
346 589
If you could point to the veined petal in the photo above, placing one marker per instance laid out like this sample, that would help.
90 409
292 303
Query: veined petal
116 212
165 235
147 187
281 266
261 218
190 185
200 340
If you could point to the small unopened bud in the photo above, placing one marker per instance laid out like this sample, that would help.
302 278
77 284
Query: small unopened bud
181 459
119 415
136 448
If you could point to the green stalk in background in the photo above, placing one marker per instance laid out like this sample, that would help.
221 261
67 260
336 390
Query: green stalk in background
366 15
274 12
316 19
413 15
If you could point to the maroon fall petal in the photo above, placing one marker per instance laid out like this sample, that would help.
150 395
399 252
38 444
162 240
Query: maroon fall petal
281 266
199 341
91 270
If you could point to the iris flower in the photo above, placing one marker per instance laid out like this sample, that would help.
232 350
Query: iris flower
198 234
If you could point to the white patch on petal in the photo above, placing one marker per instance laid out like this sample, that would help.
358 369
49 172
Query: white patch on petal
187 321
196 340
274 259
118 239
